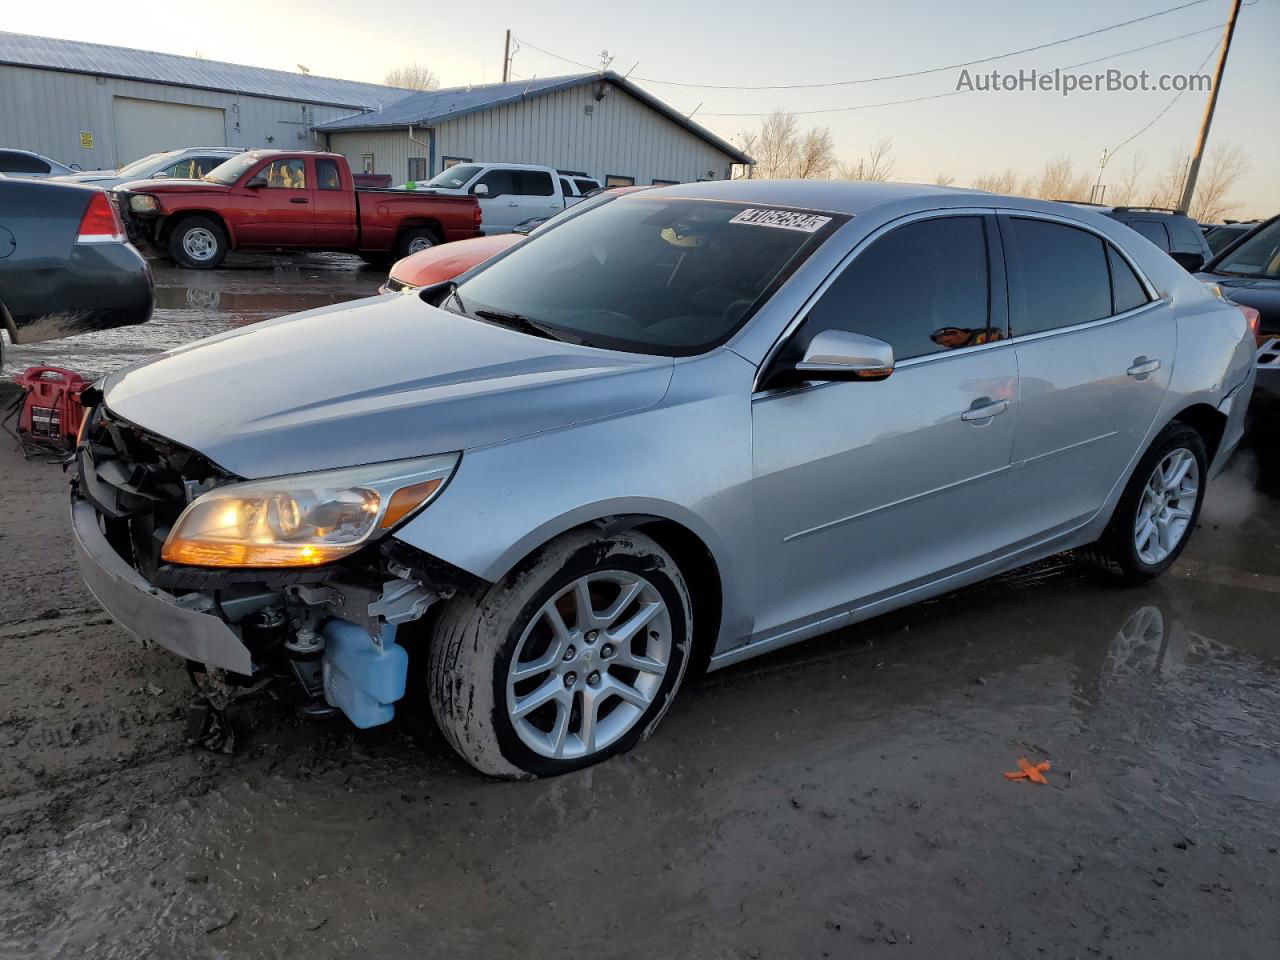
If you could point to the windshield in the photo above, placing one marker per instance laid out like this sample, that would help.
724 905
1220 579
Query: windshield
139 168
455 177
233 169
1258 256
671 277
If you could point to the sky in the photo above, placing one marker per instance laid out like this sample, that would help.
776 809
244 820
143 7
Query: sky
757 43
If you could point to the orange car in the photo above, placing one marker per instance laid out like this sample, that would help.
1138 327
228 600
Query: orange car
438 264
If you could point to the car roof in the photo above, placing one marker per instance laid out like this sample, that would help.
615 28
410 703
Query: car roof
834 196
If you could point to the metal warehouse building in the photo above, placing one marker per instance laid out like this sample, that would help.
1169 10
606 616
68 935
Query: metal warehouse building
595 123
100 106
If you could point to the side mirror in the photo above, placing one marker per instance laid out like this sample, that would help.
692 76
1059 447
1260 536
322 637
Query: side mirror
76 167
1191 262
257 182
841 355
480 190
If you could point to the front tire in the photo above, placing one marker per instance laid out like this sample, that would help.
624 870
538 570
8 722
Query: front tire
571 659
198 243
1158 510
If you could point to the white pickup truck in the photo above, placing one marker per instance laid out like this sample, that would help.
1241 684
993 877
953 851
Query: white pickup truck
511 193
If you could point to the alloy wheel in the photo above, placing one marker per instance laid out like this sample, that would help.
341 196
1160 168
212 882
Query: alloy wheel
199 244
1166 506
589 664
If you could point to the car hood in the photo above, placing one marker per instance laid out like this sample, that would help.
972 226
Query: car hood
1257 292
89 176
381 379
173 185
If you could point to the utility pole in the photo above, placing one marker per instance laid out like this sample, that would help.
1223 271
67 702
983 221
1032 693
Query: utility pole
506 59
1194 171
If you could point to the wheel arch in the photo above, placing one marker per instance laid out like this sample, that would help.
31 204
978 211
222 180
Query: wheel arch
691 551
1208 421
420 223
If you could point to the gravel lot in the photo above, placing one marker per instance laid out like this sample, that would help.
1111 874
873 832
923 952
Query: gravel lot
844 798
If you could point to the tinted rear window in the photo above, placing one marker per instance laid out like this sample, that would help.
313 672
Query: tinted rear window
534 183
1153 231
13 162
1064 276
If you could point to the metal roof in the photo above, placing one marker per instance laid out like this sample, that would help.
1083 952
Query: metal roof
74 56
436 106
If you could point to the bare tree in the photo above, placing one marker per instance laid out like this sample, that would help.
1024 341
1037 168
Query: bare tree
877 165
781 150
412 76
1167 190
1127 187
1005 183
815 155
1227 164
1059 181
944 180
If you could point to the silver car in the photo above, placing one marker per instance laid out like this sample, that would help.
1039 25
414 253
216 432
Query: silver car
190 163
687 427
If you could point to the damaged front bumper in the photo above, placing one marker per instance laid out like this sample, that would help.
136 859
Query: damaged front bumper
182 625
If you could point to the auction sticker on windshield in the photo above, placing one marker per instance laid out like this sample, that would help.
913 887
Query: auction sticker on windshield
783 219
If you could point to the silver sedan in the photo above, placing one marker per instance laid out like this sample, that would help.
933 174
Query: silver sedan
686 427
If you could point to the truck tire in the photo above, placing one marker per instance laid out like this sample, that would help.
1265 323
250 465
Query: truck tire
1158 511
198 243
570 659
415 241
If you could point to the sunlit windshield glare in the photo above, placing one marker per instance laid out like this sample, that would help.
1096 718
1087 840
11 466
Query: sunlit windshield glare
233 169
651 275
454 178
139 167
1259 256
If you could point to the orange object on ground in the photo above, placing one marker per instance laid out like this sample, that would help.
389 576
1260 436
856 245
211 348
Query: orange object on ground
1028 771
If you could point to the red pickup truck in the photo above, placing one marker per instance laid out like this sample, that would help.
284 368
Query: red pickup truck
290 200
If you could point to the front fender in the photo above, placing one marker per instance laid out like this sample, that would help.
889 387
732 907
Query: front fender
688 460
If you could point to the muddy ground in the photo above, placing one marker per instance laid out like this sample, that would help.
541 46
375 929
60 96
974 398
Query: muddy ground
844 798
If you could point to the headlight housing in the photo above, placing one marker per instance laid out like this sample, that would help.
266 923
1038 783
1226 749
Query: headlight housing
304 520
143 203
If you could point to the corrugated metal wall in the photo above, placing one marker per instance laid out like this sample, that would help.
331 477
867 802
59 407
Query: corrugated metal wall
391 150
620 136
46 110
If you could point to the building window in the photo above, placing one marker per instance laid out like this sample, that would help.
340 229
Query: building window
417 168
665 183
366 162
614 180
453 161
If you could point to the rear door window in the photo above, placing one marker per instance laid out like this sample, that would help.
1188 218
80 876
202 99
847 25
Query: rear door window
327 175
567 188
1062 277
11 161
1126 289
586 186
922 288
1154 231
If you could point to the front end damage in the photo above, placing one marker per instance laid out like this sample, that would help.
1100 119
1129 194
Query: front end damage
324 637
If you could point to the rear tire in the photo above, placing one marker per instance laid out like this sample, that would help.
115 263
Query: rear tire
415 241
198 243
1154 517
518 668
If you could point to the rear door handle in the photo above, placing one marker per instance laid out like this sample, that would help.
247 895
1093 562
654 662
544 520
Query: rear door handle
513 204
1142 367
297 199
986 411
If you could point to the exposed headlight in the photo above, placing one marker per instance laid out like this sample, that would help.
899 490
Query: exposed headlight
304 520
1215 290
143 203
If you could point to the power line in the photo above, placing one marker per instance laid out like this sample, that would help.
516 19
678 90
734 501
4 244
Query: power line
1150 123
956 93
892 76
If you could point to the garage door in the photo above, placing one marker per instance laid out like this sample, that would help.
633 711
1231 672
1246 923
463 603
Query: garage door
149 126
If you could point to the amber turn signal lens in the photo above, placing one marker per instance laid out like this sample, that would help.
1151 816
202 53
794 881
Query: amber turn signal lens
407 499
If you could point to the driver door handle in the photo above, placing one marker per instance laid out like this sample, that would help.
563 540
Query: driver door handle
1142 366
297 199
988 410
513 204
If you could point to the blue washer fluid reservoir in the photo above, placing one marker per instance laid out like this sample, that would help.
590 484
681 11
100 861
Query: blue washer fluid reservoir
361 679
